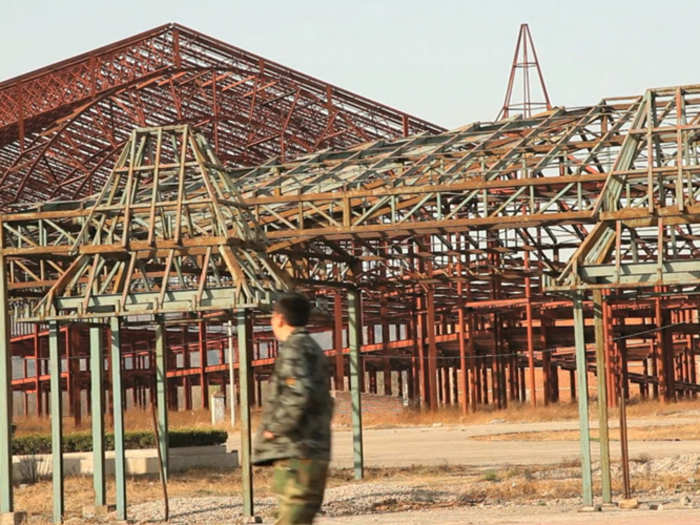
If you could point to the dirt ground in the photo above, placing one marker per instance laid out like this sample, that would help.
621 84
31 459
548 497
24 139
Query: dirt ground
443 473
523 515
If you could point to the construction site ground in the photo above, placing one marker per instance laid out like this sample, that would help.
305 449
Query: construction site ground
442 472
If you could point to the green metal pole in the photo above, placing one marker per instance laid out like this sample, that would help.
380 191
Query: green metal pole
602 397
6 503
244 343
118 405
97 405
162 394
56 420
354 342
582 381
231 380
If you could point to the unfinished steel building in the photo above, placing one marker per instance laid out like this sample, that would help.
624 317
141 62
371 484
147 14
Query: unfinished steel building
155 186
431 223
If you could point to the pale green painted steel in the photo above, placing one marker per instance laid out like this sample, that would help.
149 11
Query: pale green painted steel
354 343
162 395
56 422
582 380
647 272
602 397
118 405
141 303
97 402
244 339
6 503
231 380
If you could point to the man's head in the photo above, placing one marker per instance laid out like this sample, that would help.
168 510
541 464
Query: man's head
291 311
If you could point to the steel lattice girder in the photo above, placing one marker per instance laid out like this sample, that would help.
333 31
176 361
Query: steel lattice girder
649 208
168 233
61 125
465 205
540 172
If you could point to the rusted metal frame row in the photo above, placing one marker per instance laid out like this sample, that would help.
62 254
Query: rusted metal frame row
603 261
107 225
278 118
97 62
317 207
125 202
608 235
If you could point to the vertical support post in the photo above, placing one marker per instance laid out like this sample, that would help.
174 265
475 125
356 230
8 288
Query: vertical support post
545 323
432 350
420 344
187 379
73 365
473 368
6 500
583 400
97 404
56 422
338 341
602 396
463 379
231 377
624 447
203 363
530 337
354 342
118 417
244 350
162 394
37 370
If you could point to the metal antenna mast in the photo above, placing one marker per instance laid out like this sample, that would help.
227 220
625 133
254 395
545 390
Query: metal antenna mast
525 59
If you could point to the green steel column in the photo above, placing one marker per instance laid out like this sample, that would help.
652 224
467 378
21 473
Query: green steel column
244 343
602 397
97 404
56 420
354 343
118 406
162 394
582 381
231 380
6 503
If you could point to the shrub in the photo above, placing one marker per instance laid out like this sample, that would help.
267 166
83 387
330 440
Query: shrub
82 441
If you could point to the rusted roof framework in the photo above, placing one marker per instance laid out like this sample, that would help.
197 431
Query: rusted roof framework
389 215
649 208
384 210
458 238
63 123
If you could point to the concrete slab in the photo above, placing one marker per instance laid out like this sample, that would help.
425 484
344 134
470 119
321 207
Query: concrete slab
138 462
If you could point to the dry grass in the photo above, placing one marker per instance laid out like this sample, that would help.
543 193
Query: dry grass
637 408
520 484
646 433
134 419
519 413
454 416
79 491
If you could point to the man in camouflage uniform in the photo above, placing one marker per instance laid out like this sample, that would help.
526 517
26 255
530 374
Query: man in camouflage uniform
295 432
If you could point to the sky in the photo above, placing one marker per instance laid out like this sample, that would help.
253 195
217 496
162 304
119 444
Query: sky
445 61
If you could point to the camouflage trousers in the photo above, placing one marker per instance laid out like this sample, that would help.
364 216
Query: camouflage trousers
299 486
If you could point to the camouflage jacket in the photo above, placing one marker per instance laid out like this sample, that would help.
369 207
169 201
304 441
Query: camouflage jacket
299 407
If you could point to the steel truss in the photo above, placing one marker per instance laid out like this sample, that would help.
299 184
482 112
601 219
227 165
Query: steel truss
458 252
63 123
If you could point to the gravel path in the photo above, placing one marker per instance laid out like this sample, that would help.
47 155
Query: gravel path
387 502
349 499
391 501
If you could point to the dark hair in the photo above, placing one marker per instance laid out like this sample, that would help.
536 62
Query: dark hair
294 308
